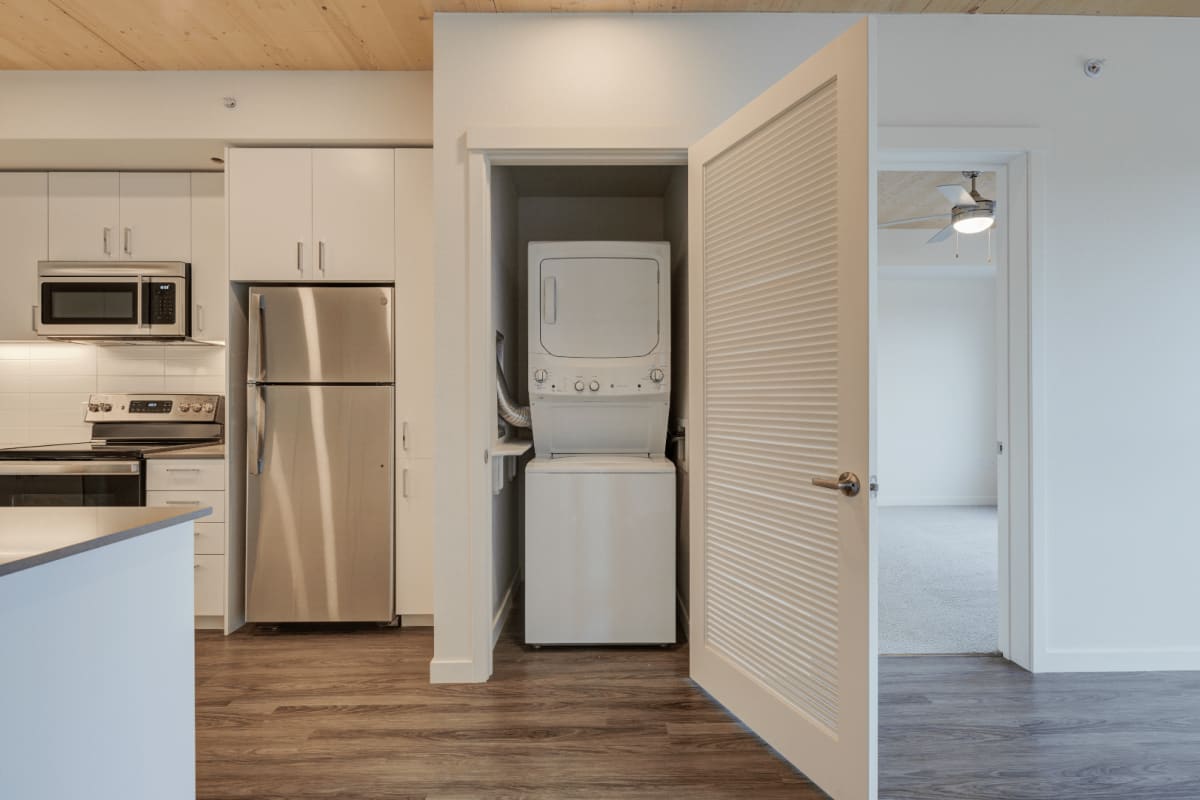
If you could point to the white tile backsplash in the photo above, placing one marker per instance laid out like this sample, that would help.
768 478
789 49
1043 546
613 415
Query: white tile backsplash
44 386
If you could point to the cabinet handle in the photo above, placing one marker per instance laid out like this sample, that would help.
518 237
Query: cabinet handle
183 502
199 317
404 483
181 469
404 435
321 257
300 256
107 246
34 321
129 241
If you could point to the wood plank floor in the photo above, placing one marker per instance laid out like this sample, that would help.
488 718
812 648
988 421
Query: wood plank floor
350 714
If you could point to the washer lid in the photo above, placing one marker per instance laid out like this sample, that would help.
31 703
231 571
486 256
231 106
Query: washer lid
599 307
605 464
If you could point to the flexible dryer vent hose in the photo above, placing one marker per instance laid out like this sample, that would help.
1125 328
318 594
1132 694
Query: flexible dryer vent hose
511 413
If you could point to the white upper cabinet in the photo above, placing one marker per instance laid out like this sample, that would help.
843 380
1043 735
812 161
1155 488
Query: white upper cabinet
210 281
23 216
414 302
353 201
301 214
129 216
85 216
270 214
155 211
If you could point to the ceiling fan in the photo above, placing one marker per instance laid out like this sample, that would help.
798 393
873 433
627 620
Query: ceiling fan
970 212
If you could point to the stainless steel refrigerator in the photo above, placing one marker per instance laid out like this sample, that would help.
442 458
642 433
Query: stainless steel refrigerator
319 440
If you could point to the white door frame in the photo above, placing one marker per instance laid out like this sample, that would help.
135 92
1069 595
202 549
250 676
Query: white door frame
1022 151
1018 156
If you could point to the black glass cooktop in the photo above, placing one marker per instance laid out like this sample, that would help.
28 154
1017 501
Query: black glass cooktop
87 450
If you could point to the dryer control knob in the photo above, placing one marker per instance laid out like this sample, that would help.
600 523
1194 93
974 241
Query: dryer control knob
657 375
594 386
579 386
539 375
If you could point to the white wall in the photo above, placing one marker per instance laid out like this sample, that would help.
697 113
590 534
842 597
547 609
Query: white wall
936 339
159 120
1117 396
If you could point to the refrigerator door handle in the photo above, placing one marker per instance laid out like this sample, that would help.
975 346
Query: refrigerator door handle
254 368
257 406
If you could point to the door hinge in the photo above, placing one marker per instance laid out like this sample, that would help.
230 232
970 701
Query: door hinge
999 448
873 484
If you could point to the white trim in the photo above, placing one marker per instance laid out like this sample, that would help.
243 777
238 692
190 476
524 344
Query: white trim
452 670
416 620
1121 660
924 501
1020 153
638 143
210 622
684 618
500 618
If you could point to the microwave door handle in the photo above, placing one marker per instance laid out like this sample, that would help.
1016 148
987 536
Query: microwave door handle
141 313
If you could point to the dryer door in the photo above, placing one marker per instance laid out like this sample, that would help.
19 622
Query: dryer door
599 307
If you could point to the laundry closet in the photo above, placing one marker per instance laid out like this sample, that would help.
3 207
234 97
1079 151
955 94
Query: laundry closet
594 522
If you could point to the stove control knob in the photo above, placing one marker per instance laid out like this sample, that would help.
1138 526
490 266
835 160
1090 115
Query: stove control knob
539 375
185 406
196 409
208 408
594 386
579 386
106 407
657 375
93 407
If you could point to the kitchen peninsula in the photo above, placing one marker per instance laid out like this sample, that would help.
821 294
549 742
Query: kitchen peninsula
97 675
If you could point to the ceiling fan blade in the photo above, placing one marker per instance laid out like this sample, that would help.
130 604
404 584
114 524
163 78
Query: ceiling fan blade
957 195
941 235
891 223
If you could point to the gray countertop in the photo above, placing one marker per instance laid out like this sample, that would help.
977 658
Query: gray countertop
33 536
204 451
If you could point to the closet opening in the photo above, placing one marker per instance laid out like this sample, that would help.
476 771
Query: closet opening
637 205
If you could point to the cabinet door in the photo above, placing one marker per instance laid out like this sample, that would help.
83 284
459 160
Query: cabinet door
414 536
23 218
84 216
414 303
269 212
353 214
210 280
156 217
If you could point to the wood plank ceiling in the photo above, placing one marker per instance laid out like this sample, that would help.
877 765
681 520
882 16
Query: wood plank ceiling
369 34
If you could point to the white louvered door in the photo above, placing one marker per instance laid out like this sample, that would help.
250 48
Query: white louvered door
782 217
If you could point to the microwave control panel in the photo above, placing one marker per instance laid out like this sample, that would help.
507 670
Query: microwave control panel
163 302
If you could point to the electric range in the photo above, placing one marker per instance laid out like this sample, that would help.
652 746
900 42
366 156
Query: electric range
110 468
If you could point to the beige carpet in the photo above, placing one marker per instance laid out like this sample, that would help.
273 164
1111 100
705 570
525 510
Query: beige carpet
937 579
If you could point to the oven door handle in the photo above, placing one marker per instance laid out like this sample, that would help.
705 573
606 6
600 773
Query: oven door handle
70 467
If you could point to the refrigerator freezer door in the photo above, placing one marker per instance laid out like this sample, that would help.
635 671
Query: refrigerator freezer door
321 334
319 514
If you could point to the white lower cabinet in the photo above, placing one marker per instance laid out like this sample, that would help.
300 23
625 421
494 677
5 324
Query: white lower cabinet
414 536
197 482
210 586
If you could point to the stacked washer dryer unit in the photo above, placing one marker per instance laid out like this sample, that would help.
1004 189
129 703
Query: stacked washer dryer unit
599 495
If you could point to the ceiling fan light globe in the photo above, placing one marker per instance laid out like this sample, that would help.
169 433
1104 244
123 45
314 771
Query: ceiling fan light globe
973 219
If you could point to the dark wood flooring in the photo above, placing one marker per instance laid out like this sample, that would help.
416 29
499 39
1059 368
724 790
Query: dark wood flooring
351 714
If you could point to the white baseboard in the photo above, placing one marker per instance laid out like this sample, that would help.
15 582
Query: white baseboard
215 623
1183 659
416 620
500 618
889 500
683 615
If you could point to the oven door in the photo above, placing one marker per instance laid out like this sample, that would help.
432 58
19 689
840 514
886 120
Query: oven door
91 306
71 483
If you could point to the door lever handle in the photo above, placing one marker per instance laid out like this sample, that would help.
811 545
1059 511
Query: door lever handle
846 483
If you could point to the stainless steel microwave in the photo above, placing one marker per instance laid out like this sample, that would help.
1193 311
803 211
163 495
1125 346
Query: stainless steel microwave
113 300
